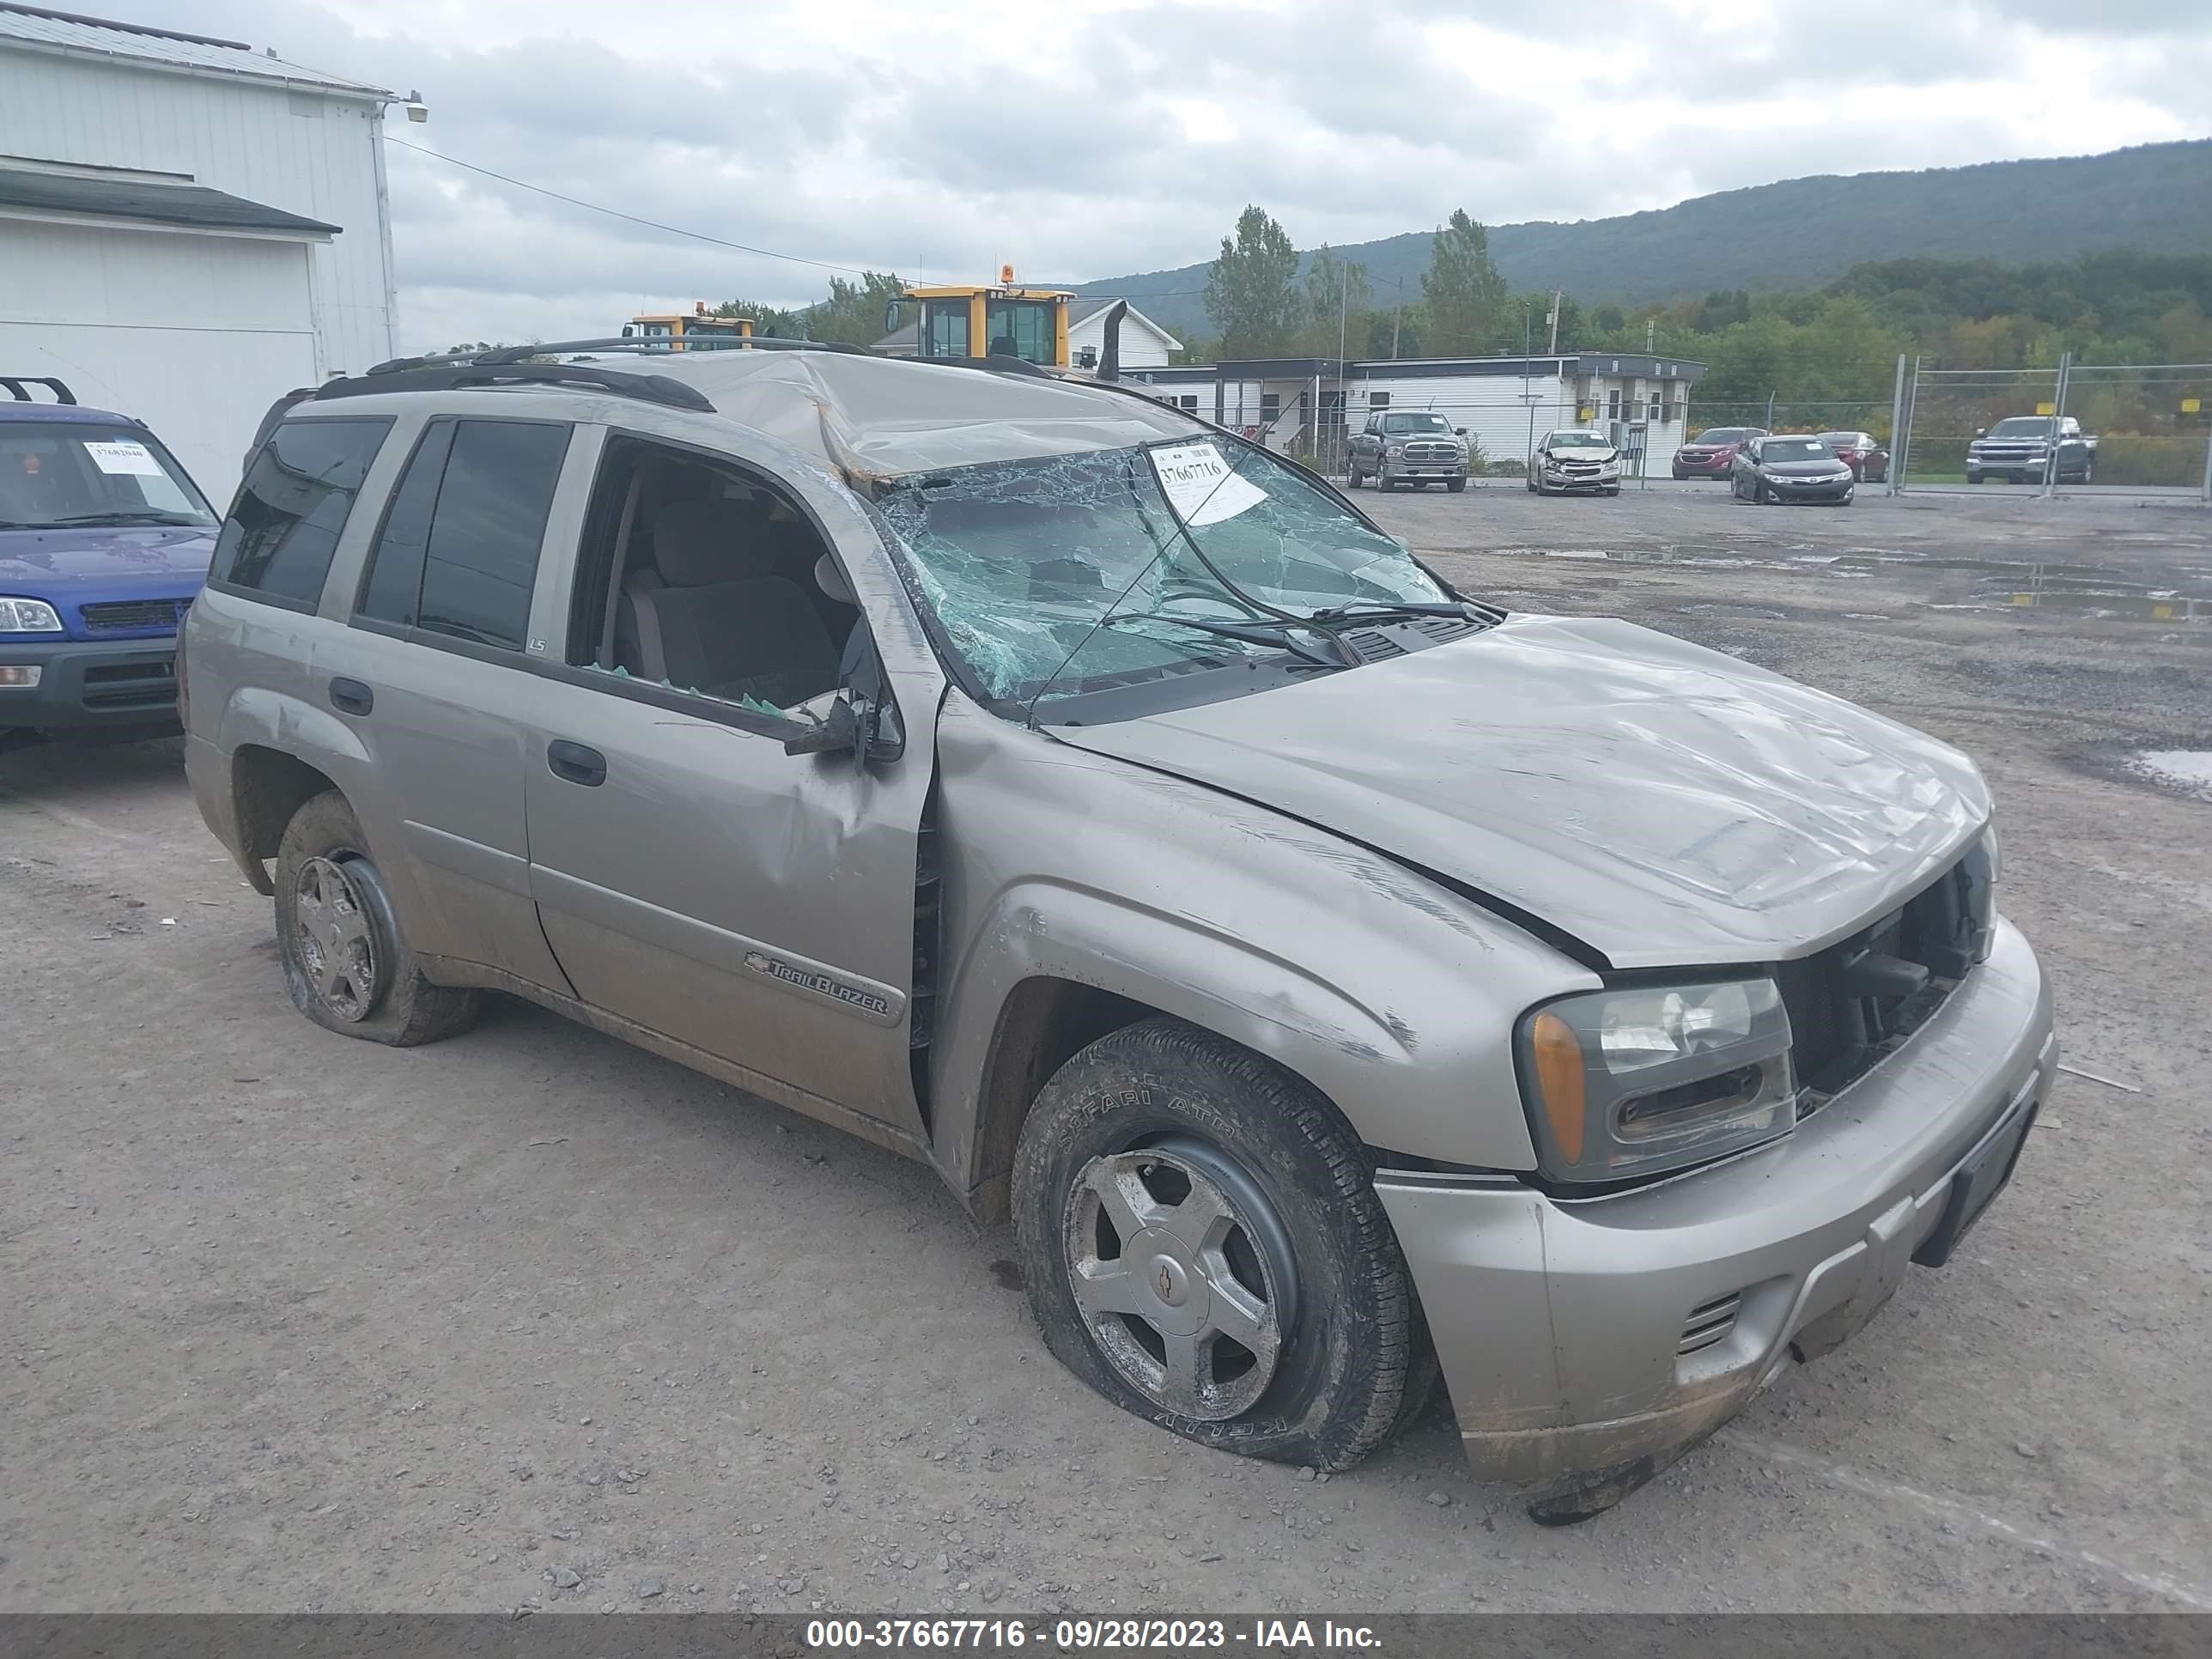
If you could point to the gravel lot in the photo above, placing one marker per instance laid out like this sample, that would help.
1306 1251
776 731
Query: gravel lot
292 1322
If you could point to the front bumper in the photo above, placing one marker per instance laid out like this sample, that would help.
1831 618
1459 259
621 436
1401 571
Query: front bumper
1399 471
1788 490
1561 1327
1561 484
1703 467
92 687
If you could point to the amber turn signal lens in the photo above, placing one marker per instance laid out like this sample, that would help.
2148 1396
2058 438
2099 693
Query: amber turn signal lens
1558 1058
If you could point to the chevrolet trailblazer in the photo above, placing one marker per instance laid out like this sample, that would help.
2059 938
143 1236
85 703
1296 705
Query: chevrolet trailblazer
1337 979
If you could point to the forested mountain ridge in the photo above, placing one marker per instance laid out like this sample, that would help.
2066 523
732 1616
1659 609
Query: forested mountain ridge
1801 233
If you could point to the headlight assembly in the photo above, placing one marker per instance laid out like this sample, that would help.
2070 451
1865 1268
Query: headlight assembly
1625 1084
28 617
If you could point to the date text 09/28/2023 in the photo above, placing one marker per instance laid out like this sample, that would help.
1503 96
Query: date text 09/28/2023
1169 1635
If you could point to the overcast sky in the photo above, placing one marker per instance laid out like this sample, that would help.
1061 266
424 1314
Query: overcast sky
1081 138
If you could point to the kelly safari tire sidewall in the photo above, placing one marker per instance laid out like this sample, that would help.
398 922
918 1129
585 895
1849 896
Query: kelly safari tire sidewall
1343 1369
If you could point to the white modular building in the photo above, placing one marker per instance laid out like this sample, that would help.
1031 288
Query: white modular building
1305 406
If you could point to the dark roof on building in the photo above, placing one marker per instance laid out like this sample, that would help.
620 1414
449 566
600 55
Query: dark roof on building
151 201
1419 369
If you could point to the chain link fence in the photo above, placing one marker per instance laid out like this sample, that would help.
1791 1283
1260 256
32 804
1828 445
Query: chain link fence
2139 430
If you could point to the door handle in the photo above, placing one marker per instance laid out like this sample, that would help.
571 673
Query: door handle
351 697
574 763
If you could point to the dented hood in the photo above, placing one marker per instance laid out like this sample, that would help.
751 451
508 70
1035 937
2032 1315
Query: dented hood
1663 804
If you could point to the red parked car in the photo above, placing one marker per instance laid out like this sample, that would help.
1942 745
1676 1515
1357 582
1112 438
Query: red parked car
1868 460
1711 453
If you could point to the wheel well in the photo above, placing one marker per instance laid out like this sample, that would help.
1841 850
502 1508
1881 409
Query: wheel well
267 787
1044 1023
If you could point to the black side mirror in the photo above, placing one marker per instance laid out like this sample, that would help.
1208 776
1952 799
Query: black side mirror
1459 432
890 316
866 731
840 730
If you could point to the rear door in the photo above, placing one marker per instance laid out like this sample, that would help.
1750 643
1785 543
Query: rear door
697 880
433 675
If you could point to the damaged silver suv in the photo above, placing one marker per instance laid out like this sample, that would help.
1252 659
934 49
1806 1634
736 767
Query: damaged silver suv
1338 981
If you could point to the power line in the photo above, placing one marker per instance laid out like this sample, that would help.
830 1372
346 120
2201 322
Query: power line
617 213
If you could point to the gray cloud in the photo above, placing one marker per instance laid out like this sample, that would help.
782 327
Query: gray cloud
1069 152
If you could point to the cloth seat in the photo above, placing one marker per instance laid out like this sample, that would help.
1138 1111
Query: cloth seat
714 617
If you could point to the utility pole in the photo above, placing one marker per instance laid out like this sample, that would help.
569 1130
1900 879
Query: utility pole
1527 345
1896 429
1771 397
1338 428
1555 347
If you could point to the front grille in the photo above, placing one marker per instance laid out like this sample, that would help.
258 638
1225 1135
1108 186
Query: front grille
130 685
1855 1001
1710 1323
1431 453
115 615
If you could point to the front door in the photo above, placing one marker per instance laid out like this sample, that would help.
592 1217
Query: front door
692 878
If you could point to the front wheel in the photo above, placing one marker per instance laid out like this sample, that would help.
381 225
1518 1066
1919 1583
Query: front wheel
1353 478
1456 485
345 964
1204 1246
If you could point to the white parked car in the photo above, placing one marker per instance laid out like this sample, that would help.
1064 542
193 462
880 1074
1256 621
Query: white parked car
1572 458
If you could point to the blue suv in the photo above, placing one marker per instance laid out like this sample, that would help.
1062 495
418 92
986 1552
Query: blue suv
104 543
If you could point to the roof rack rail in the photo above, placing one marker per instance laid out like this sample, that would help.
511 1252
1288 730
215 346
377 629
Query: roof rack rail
445 374
659 345
500 357
16 383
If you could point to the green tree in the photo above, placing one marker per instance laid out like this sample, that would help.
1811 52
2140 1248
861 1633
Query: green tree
1335 303
853 313
1251 291
773 320
1465 294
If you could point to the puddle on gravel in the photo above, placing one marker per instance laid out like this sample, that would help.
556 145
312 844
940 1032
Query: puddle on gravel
2093 591
2186 771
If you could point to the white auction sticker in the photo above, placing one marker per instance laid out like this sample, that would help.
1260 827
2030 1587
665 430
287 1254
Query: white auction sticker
1200 485
122 455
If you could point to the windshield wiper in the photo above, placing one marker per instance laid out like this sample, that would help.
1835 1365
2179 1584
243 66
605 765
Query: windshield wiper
1251 633
144 515
1382 610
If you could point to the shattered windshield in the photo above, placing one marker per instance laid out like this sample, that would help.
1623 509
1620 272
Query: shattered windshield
1069 574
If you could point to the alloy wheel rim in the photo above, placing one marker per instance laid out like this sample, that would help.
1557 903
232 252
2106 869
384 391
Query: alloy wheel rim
337 939
1183 1274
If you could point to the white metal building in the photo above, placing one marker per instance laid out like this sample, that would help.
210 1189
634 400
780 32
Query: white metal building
1144 343
188 227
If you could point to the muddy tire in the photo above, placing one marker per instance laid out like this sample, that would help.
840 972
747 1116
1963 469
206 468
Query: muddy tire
345 964
1204 1246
